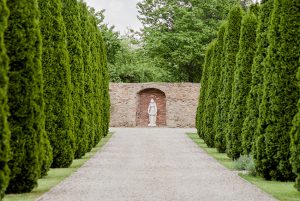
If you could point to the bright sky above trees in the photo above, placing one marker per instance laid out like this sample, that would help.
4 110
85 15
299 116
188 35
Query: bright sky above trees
120 13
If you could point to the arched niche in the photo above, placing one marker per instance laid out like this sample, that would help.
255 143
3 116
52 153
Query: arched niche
143 100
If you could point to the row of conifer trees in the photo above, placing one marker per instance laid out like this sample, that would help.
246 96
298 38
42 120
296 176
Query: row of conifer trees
249 99
54 102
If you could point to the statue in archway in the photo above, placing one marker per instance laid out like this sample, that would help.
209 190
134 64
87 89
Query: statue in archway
152 111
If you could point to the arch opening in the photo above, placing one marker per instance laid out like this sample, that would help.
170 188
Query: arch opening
143 99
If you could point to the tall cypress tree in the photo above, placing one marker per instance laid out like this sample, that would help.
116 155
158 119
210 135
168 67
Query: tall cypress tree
213 87
4 130
203 91
105 91
220 139
96 73
88 65
210 99
241 84
290 52
231 49
73 26
280 95
255 94
58 88
26 103
295 143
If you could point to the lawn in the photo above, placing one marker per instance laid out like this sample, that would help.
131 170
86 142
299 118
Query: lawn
55 176
283 191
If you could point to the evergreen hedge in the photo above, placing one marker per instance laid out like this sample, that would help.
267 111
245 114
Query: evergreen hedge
255 94
218 61
57 79
241 86
73 26
231 49
25 95
4 130
280 95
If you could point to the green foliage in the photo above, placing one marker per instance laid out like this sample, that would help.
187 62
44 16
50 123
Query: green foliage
295 144
257 71
87 62
231 49
280 94
58 86
220 139
290 49
203 92
209 102
176 34
241 86
28 141
73 26
96 43
4 130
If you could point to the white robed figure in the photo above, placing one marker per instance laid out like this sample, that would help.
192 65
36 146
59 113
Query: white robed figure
152 111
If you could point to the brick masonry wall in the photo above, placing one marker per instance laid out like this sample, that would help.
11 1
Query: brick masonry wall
176 103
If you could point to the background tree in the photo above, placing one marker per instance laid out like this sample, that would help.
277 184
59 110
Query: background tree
176 34
241 86
26 103
255 94
280 95
57 79
4 130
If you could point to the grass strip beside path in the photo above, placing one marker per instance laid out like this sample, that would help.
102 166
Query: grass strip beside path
283 191
55 176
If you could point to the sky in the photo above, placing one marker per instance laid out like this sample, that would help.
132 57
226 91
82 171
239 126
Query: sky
120 13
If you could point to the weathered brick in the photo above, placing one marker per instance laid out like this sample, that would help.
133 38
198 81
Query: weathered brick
176 103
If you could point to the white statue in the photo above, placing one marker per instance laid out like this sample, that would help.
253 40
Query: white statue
152 111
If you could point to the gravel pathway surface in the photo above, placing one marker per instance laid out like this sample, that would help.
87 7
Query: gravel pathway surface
159 164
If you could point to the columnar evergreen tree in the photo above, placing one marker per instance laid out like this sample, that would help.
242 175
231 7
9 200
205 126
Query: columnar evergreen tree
73 26
220 140
241 86
26 103
290 52
231 49
213 87
57 79
96 73
295 143
255 94
280 95
4 130
203 91
88 62
213 76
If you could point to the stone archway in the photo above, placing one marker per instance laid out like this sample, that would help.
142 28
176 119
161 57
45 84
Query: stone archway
144 98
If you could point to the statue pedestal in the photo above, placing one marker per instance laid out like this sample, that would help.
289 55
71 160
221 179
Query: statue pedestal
152 125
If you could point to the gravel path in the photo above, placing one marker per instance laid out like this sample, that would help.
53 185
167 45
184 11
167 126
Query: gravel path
140 164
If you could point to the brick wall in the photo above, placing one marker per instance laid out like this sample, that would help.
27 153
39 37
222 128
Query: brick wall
176 103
